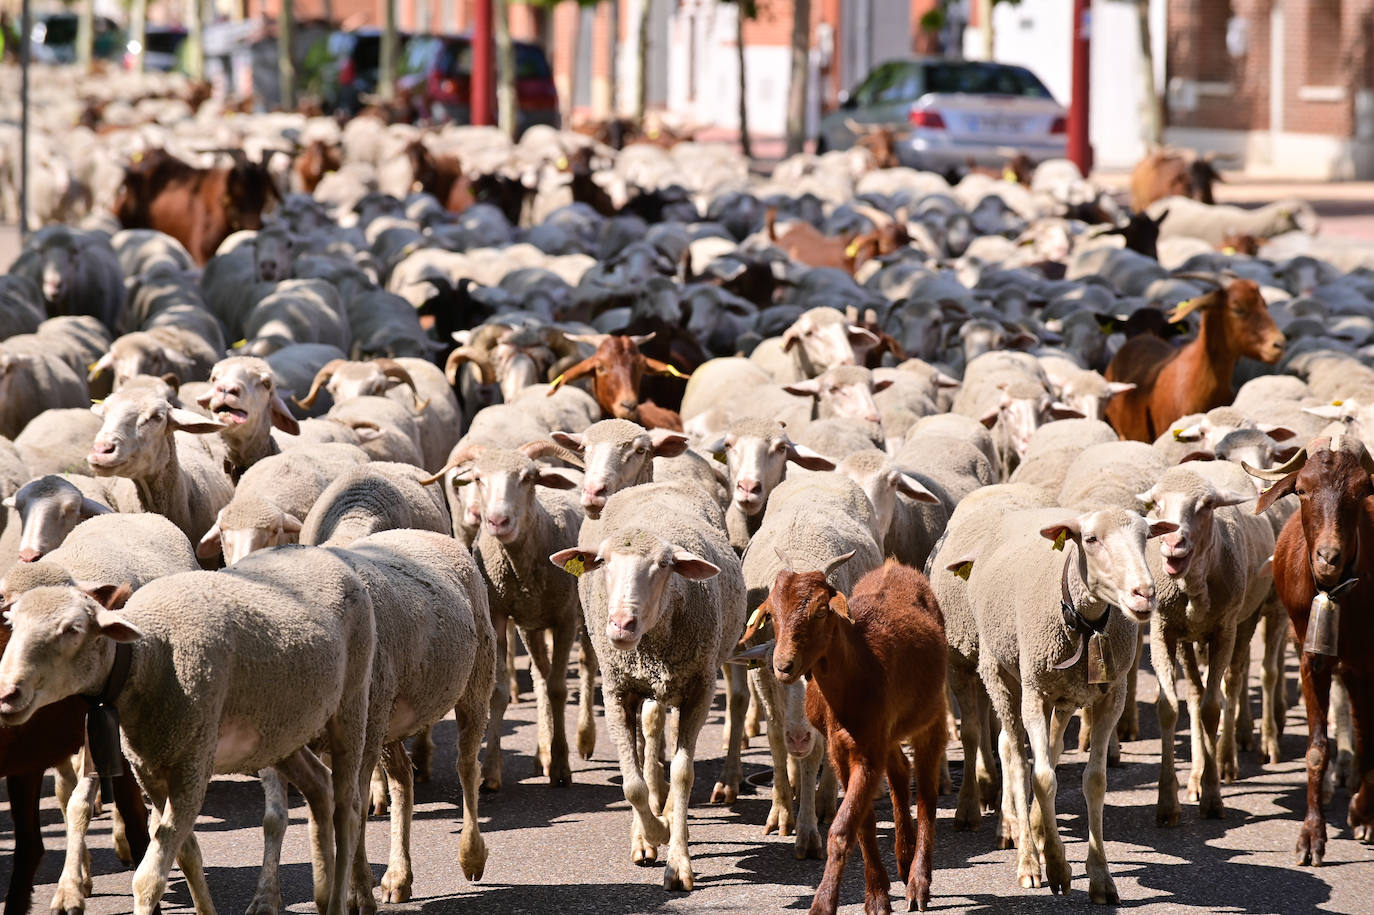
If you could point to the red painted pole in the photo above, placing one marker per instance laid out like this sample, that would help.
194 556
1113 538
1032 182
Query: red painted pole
1080 150
483 64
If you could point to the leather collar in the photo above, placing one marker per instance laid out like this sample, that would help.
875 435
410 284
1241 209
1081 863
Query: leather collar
119 675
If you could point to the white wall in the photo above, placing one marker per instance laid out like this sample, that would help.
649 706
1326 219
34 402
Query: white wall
1038 35
716 100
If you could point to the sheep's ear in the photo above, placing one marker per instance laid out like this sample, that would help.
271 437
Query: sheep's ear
808 388
281 416
1325 411
862 336
98 408
205 398
911 487
8 502
1160 528
1062 531
573 441
690 565
1120 387
111 597
989 419
1277 491
1061 410
1188 433
667 443
185 421
209 545
100 366
575 561
962 566
90 508
1224 499
807 459
290 524
171 379
882 385
1203 455
1147 497
115 627
1276 432
557 478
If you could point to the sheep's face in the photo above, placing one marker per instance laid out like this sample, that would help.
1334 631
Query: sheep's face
246 525
1111 556
505 496
638 567
272 255
1016 417
881 481
846 393
358 379
13 366
135 437
617 454
244 398
980 336
49 508
758 463
1088 392
58 265
59 646
518 368
824 339
1190 503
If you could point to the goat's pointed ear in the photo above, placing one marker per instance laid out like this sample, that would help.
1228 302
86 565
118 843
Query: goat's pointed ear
840 606
1163 215
1277 491
281 416
691 566
667 443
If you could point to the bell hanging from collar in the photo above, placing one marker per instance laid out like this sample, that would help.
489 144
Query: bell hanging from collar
1324 620
1101 670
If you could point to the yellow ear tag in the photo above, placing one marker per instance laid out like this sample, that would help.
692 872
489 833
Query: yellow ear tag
755 617
1106 327
853 249
719 456
653 133
964 570
95 402
1178 435
562 163
675 373
1337 403
91 367
1008 175
575 566
1059 541
556 384
1228 250
238 344
136 158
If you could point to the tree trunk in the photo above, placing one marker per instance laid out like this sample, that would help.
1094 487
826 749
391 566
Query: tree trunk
642 62
613 71
985 8
286 65
1152 113
796 90
328 9
85 35
505 69
744 144
138 31
195 41
386 72
568 92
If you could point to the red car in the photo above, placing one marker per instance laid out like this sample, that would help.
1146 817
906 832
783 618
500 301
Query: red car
436 72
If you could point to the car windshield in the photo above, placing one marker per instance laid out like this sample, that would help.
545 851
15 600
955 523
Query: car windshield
165 42
974 78
60 30
530 62
367 52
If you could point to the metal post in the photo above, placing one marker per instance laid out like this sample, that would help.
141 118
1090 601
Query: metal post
1080 150
482 63
25 33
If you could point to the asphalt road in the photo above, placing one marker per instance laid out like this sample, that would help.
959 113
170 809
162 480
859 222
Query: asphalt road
567 850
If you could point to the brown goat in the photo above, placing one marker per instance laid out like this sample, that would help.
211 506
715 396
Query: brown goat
1170 174
1018 169
1320 551
805 244
441 177
876 665
617 368
879 140
314 162
1196 377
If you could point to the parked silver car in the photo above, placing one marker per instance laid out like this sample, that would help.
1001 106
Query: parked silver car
951 111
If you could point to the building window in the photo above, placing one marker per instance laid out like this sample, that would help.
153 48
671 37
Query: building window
1324 31
1213 57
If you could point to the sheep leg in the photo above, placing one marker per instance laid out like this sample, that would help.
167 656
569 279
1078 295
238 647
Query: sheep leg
654 719
1128 728
25 792
1273 698
726 790
1219 649
378 792
754 714
586 699
421 757
267 899
807 843
550 673
500 698
1237 726
691 716
398 879
969 812
348 776
1005 693
1038 728
826 802
1162 650
511 677
129 795
471 715
192 865
1316 673
859 784
1360 813
178 802
780 818
648 830
305 770
989 778
537 649
1341 723
1101 887
75 883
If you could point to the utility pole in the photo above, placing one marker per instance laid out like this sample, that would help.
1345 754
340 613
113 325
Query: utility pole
25 31
1080 149
482 69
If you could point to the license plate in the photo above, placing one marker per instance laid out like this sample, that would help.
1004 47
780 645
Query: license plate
994 124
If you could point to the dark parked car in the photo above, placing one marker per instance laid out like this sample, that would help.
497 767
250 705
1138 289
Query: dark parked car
354 67
54 39
437 72
163 51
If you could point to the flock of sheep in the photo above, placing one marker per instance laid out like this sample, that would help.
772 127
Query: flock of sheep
422 442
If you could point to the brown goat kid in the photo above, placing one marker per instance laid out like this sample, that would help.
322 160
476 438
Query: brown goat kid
876 665
1170 382
804 243
314 162
617 368
1322 549
1171 174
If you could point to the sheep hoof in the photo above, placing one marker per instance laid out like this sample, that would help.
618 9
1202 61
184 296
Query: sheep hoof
586 742
264 906
724 794
1104 893
808 844
1030 881
399 891
966 820
877 904
1005 842
1058 876
1229 771
1127 732
1210 807
560 774
1166 814
642 851
677 874
491 784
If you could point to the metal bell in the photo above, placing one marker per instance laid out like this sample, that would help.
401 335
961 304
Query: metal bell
102 739
1323 625
1100 667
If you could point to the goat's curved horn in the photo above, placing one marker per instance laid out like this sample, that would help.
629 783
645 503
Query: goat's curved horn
456 460
471 354
1184 309
545 448
835 563
1284 469
393 369
786 560
322 377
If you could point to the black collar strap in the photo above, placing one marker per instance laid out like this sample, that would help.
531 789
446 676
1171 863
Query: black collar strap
119 675
102 723
1073 618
